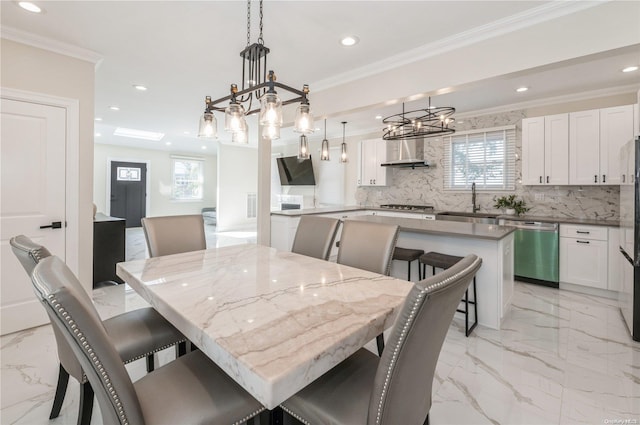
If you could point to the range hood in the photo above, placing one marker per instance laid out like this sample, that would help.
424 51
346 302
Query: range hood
408 154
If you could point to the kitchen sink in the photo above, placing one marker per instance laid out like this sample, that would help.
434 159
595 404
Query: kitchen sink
484 218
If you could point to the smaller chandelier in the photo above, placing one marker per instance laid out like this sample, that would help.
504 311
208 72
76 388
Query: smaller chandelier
420 123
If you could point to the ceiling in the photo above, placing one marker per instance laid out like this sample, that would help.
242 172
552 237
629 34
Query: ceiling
184 50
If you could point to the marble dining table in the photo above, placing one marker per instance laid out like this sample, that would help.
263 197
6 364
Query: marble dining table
274 321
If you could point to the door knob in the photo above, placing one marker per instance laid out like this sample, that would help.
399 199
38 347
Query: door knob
53 225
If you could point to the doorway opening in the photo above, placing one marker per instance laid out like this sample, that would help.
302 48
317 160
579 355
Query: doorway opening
128 191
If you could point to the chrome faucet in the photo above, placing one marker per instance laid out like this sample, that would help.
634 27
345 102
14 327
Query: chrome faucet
473 198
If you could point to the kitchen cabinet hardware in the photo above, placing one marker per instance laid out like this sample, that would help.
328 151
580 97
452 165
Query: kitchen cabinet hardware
540 179
583 242
582 232
547 179
595 178
604 178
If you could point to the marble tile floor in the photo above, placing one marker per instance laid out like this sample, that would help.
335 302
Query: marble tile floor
561 358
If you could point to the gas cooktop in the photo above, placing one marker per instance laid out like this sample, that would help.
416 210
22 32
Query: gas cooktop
407 207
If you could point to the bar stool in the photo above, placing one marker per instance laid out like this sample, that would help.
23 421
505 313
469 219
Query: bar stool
444 261
408 255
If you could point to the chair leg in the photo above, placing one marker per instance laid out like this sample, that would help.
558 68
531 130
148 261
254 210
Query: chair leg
86 404
150 363
380 343
466 313
61 390
409 270
426 421
181 349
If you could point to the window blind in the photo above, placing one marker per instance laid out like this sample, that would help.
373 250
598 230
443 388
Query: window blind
485 157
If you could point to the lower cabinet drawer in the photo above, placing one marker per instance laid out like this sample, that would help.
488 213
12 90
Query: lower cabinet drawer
584 262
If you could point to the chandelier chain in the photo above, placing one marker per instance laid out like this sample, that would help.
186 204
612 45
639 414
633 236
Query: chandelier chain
248 22
260 39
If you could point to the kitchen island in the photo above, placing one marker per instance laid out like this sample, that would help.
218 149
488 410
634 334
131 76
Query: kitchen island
493 243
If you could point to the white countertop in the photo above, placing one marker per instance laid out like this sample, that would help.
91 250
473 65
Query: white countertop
274 321
443 227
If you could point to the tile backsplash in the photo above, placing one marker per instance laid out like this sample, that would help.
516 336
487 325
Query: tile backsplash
425 186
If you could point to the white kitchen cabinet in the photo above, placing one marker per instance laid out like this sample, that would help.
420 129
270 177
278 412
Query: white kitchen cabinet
616 128
584 146
614 277
595 139
372 153
283 231
584 255
545 150
636 119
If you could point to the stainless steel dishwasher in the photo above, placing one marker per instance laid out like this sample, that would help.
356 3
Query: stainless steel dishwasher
536 258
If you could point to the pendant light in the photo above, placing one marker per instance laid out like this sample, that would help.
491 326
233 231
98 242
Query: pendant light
324 155
303 148
343 147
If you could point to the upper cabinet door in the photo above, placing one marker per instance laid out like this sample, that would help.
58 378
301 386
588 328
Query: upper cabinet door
533 151
616 128
556 149
584 145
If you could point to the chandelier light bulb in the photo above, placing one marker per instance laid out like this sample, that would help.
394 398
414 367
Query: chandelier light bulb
324 156
271 109
303 120
343 148
270 132
208 126
233 117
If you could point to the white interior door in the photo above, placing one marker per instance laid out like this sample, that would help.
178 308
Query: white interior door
33 194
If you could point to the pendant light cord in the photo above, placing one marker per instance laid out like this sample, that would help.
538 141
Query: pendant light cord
325 128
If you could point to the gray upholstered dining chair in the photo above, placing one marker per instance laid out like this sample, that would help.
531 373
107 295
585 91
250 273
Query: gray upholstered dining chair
136 334
395 388
174 234
368 246
189 390
315 236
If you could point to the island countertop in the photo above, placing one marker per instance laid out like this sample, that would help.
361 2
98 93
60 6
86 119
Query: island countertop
442 227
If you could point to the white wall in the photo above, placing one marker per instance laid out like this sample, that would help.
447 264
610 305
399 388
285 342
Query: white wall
159 175
237 177
31 69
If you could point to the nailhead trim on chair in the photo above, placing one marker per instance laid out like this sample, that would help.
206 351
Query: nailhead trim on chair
249 416
295 415
80 336
403 334
390 259
142 356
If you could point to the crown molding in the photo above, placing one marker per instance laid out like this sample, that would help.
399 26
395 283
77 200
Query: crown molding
49 44
575 97
534 16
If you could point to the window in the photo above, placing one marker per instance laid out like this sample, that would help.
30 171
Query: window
485 157
188 178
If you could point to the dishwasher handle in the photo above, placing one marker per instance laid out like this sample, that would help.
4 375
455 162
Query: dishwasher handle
536 226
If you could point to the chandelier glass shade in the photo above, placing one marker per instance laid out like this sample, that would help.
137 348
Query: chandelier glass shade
324 149
260 86
343 148
420 123
303 147
208 126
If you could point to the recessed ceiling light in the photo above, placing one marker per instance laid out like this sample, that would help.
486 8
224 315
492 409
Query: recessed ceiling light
204 147
350 40
522 89
114 108
98 119
138 134
139 87
27 5
186 133
378 117
168 143
630 69
98 135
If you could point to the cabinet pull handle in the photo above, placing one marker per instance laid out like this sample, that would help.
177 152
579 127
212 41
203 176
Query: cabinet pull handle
582 232
595 178
624 178
604 178
547 179
583 242
540 179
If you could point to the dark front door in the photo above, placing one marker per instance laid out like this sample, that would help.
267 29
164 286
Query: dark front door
128 191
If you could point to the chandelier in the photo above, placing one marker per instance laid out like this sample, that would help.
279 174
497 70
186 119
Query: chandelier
430 122
258 85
